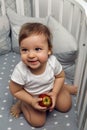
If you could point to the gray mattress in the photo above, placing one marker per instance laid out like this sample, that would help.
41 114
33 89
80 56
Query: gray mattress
55 120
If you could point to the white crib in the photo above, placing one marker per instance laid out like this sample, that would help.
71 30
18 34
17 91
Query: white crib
72 14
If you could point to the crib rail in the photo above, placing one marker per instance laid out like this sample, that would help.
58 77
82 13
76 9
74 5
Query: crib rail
82 93
81 78
70 13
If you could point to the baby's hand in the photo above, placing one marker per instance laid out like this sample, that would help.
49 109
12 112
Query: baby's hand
35 104
54 97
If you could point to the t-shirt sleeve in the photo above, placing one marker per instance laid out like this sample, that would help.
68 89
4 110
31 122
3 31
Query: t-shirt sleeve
17 76
55 64
58 67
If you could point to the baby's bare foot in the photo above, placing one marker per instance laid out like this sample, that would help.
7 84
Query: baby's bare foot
16 109
72 89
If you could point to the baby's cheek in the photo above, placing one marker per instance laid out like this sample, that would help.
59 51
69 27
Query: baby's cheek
43 58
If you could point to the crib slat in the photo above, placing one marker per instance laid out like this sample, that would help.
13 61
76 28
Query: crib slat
82 90
85 127
80 66
57 9
36 2
43 6
79 74
3 7
70 17
76 21
38 11
81 55
83 114
60 10
82 82
49 7
78 27
20 7
67 15
28 7
82 73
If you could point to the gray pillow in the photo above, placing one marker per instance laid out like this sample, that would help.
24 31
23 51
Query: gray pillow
16 22
64 47
64 44
5 42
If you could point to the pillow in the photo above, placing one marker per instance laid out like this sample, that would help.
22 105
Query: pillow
64 47
5 42
64 44
16 22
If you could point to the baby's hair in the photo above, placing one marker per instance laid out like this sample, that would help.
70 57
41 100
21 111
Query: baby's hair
29 29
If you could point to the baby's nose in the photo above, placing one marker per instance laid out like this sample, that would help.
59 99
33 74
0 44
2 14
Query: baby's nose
31 54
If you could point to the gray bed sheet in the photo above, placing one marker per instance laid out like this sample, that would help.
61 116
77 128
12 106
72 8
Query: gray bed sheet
55 120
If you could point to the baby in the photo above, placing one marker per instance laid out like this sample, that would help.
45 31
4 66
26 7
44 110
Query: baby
38 72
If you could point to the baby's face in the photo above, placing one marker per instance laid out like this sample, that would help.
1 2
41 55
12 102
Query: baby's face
34 52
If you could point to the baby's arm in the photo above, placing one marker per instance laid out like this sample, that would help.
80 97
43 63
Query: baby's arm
58 84
19 92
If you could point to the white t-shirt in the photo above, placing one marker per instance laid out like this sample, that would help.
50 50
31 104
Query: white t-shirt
37 84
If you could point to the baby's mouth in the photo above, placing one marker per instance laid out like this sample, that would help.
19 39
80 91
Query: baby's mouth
33 61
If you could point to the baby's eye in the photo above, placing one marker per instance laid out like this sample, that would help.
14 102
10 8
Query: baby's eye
24 49
38 49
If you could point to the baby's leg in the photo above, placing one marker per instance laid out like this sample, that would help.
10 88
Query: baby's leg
34 117
64 101
16 109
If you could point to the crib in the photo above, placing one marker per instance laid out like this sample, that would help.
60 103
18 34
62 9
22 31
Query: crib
68 20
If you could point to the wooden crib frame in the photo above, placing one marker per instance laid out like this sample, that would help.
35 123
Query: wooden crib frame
75 21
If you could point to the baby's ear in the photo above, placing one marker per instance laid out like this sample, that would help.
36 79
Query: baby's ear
50 52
